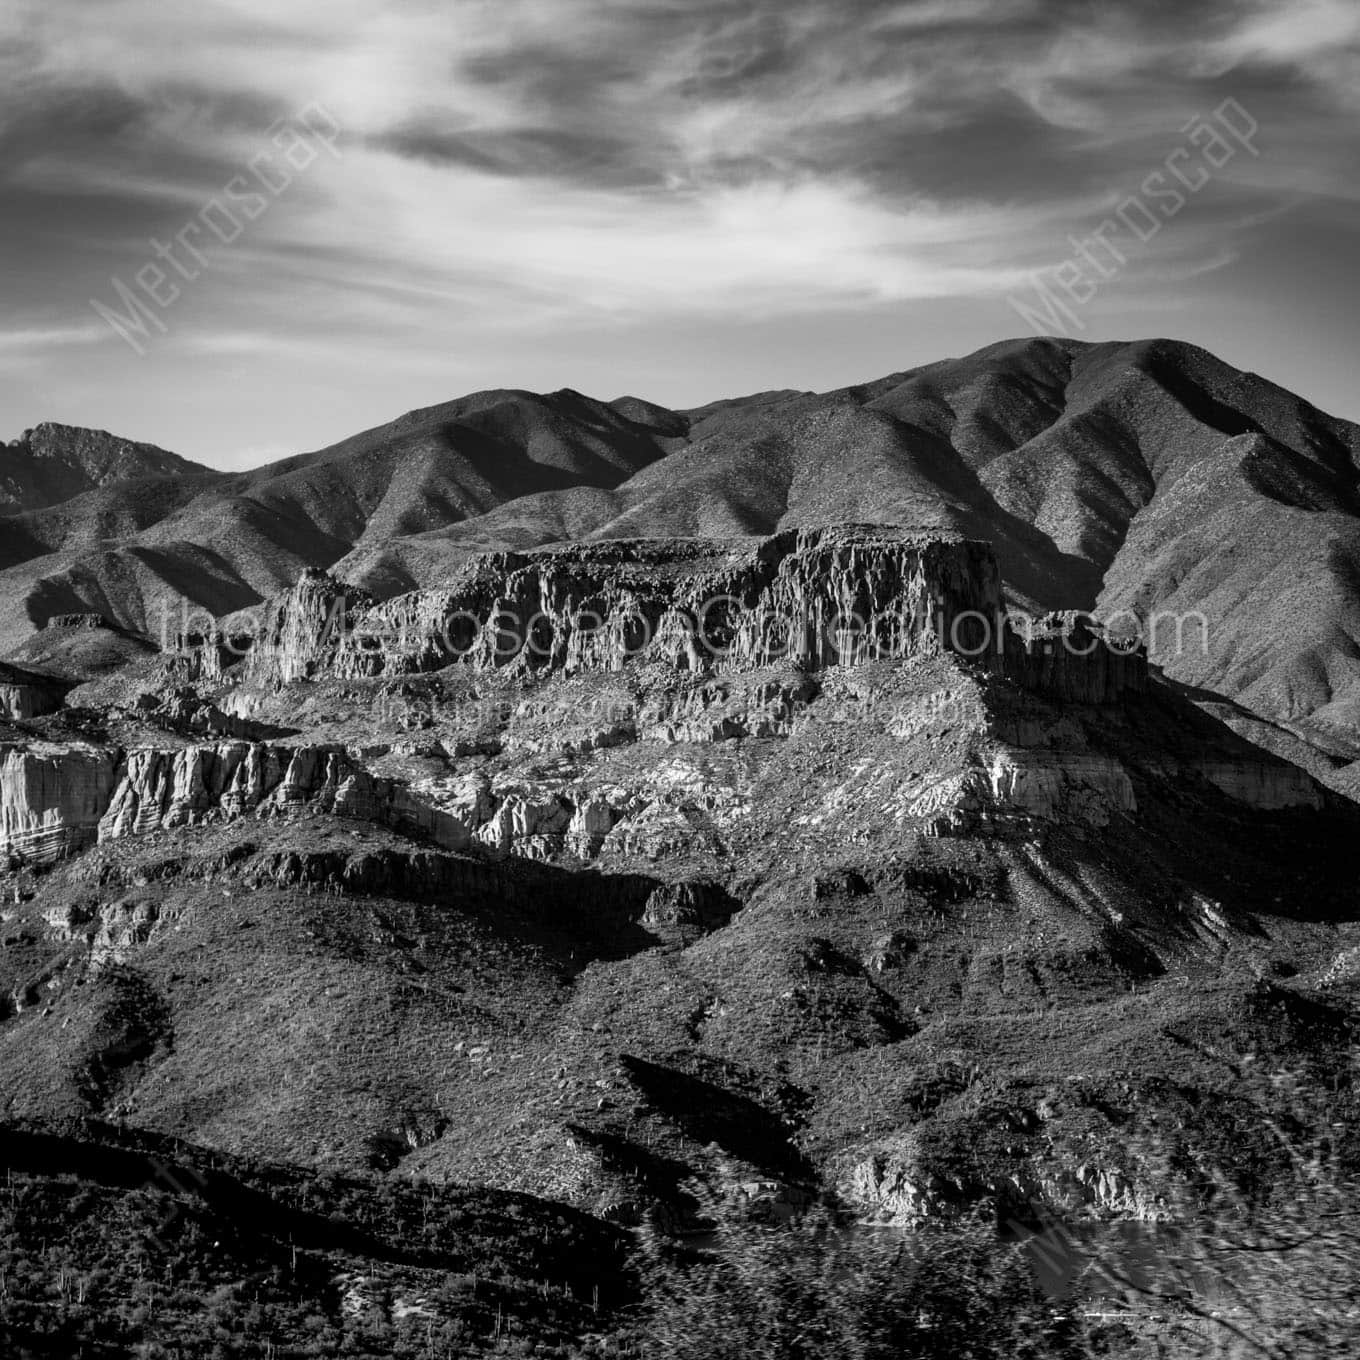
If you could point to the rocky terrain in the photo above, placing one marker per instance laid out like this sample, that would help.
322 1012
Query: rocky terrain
1146 481
51 463
592 892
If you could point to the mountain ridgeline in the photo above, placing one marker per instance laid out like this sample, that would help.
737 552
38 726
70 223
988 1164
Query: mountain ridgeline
1137 480
620 831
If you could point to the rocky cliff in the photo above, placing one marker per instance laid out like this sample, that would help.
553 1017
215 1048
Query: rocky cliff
602 696
836 596
295 634
51 799
816 597
1069 657
26 694
57 800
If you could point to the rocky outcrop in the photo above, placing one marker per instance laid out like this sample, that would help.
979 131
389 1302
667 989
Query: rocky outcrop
892 1189
838 596
182 711
677 910
817 597
301 629
87 622
51 799
161 790
887 1191
1068 657
198 658
26 694
56 800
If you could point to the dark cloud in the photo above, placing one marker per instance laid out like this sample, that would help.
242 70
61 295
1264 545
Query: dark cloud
55 121
580 157
998 149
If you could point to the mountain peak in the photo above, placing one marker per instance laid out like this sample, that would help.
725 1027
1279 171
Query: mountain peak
1108 476
51 463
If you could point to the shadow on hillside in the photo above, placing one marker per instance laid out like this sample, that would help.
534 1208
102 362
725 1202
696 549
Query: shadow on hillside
259 1208
1282 845
708 1113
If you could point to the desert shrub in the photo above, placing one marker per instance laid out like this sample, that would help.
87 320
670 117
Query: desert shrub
1249 1267
819 1289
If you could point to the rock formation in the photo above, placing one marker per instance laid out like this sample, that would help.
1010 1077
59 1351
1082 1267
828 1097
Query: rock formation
781 639
26 694
1069 657
86 621
57 800
837 596
298 632
52 798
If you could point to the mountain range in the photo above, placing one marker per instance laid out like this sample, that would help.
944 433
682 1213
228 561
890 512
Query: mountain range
495 975
1148 477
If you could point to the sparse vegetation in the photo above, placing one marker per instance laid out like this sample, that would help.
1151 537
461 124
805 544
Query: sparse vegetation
818 1289
691 984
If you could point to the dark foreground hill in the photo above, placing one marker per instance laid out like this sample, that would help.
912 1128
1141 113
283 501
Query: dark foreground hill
1148 480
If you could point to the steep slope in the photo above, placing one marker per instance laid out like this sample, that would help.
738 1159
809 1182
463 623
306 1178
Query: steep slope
1149 477
1205 508
221 542
52 463
888 924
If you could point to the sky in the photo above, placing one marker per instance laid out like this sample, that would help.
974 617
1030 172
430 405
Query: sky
241 229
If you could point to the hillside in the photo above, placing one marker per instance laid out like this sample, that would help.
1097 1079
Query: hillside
52 463
433 965
220 542
1146 477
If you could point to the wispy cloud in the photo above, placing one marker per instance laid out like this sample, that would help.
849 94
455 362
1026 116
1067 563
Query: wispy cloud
512 165
25 349
27 338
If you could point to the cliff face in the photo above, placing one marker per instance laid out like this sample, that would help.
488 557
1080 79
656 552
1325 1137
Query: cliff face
1068 657
819 598
298 631
166 789
55 801
838 596
51 799
24 694
24 701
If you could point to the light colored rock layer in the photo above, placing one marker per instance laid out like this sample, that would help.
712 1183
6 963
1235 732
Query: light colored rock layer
56 800
51 799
